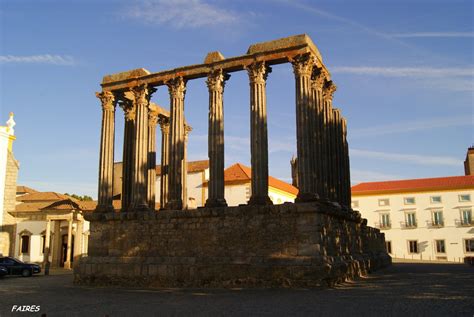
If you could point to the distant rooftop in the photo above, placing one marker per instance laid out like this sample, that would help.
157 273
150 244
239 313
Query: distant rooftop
414 185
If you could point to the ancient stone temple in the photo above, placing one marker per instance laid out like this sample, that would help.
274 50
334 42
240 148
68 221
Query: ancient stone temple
318 239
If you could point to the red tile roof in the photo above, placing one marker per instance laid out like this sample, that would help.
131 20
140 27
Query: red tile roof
25 189
240 172
42 196
413 185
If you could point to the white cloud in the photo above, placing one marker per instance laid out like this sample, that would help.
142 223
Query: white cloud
182 13
407 158
38 59
406 71
409 126
434 34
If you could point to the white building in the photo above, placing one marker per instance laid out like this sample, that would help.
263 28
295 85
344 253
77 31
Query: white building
423 219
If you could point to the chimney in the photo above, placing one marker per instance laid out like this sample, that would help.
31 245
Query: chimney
469 162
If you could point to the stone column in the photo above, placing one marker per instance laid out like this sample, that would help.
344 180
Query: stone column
305 110
106 160
46 263
215 83
347 170
177 88
142 95
165 132
258 73
184 183
151 178
319 152
78 240
128 106
337 155
67 263
328 92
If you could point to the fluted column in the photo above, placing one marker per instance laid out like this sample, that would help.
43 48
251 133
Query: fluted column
258 73
127 104
319 152
328 92
337 155
187 129
106 160
165 133
347 170
152 122
302 68
142 96
215 83
177 88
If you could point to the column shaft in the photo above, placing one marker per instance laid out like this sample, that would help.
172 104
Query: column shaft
177 88
329 89
151 178
47 248
78 241
215 83
165 130
67 264
187 129
258 73
140 149
319 152
337 156
305 120
347 170
106 160
128 147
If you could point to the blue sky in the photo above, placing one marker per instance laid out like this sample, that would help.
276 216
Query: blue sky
404 71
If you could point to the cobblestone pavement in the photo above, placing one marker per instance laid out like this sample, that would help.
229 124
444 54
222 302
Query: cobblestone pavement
406 289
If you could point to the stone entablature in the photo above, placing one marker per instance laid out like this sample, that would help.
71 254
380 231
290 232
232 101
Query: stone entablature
306 244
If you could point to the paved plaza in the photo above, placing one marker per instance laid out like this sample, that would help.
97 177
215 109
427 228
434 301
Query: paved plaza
403 289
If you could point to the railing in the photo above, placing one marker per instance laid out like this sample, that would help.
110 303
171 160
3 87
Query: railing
383 226
435 224
464 223
408 225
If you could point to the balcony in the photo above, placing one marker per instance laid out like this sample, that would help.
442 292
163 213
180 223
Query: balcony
464 223
383 226
408 225
435 224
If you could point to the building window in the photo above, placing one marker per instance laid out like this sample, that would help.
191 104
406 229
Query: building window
384 220
464 198
355 204
384 202
409 200
466 217
247 192
43 240
436 199
410 218
440 246
412 246
25 244
469 243
437 218
388 246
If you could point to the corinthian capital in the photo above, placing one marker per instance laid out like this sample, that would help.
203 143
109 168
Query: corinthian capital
318 77
303 65
177 87
328 89
153 116
164 123
142 94
126 102
107 99
258 72
216 80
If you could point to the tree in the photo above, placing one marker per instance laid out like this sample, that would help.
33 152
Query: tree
78 197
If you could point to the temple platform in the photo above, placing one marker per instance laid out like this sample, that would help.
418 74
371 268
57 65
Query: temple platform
288 245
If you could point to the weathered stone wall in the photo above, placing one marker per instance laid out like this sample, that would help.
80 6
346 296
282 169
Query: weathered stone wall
8 232
291 244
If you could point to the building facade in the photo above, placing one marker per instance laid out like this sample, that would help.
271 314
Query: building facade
423 219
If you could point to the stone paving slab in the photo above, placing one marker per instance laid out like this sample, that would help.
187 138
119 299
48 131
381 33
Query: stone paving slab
406 289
